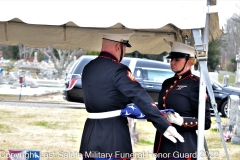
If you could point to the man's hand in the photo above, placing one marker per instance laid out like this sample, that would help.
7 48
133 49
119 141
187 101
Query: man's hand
175 118
171 133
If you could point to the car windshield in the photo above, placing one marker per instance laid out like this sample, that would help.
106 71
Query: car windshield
84 62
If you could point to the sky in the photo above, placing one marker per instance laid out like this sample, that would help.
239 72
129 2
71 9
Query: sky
226 9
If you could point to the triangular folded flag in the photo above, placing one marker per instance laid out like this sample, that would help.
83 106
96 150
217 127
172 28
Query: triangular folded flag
132 111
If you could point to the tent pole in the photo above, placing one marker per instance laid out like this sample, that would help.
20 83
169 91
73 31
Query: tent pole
202 94
201 46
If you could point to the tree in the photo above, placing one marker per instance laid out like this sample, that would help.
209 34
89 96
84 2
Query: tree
25 52
213 55
61 58
14 51
230 42
10 52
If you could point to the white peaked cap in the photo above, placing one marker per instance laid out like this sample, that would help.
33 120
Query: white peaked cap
178 49
118 35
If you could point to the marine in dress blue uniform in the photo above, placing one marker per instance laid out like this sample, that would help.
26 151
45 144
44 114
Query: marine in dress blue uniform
181 93
108 86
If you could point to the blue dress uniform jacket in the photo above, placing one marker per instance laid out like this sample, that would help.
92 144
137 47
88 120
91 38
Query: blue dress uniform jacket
181 93
107 86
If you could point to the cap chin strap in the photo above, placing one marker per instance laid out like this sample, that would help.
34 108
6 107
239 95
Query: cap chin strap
183 66
121 48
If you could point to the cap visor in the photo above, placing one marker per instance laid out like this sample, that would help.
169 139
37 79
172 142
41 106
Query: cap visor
127 44
177 55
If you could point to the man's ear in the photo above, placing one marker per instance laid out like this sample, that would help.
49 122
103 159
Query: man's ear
117 47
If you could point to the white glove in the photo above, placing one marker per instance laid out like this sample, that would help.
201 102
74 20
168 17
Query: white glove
171 133
175 118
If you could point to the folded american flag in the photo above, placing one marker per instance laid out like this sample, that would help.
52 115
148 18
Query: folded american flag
132 111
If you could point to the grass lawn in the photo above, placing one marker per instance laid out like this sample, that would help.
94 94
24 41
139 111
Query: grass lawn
213 138
231 79
56 132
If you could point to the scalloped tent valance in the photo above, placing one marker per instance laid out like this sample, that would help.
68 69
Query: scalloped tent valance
75 24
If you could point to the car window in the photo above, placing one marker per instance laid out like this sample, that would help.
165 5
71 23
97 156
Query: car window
125 61
152 64
138 74
74 66
152 74
84 62
158 75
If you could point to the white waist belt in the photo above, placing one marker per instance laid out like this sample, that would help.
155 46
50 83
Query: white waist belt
102 115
